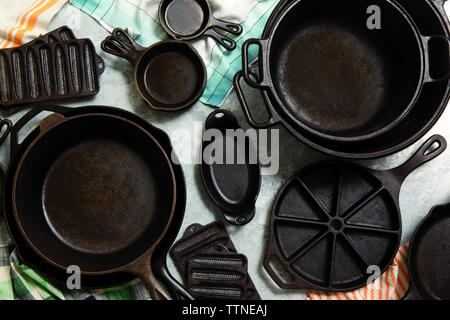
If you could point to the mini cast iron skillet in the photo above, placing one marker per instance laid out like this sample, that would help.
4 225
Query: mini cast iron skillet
169 75
30 258
333 220
94 190
233 179
332 76
429 257
191 19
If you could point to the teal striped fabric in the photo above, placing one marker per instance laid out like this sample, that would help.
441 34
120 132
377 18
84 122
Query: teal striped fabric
222 65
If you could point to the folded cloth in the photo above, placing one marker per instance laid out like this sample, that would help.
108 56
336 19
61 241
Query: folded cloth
23 20
391 285
19 282
140 17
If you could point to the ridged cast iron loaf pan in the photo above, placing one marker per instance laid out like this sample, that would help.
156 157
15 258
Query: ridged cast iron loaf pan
333 220
429 257
199 240
232 180
49 71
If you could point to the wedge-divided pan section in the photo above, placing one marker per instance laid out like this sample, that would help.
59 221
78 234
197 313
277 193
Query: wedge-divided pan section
49 71
354 102
75 215
333 220
191 19
429 257
231 174
169 75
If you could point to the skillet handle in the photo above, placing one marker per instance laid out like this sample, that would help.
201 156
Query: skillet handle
121 44
226 42
15 145
8 125
273 118
175 289
425 153
426 44
233 28
263 81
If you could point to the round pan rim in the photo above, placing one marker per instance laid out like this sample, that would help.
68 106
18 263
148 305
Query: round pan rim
269 37
116 269
166 107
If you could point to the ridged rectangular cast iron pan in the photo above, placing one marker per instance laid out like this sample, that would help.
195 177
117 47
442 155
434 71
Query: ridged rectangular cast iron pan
49 71
199 239
218 274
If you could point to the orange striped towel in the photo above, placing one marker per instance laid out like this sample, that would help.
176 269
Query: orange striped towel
391 285
23 20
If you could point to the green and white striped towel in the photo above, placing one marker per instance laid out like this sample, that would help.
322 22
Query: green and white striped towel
141 18
19 282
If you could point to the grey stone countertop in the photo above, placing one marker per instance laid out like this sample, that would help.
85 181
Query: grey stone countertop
426 187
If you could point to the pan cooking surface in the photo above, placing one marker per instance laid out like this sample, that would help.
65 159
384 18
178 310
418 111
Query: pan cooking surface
184 17
333 80
431 257
90 204
171 78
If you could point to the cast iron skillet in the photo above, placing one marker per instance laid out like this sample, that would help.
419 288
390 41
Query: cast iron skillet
57 275
92 198
191 19
353 83
169 75
333 220
429 257
233 185
431 19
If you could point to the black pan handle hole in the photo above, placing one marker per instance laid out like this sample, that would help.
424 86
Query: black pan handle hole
219 115
435 146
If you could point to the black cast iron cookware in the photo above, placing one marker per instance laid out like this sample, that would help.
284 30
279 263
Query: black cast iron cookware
353 83
333 220
169 75
233 180
429 257
29 257
94 190
429 16
191 19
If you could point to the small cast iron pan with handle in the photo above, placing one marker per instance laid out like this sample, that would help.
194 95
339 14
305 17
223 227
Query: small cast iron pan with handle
191 19
333 220
169 75
429 257
54 274
94 190
332 76
233 181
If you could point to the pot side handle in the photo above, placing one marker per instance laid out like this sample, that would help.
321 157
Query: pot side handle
262 81
15 145
121 44
427 71
273 118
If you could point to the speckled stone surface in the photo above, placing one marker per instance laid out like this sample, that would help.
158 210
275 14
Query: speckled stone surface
424 188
